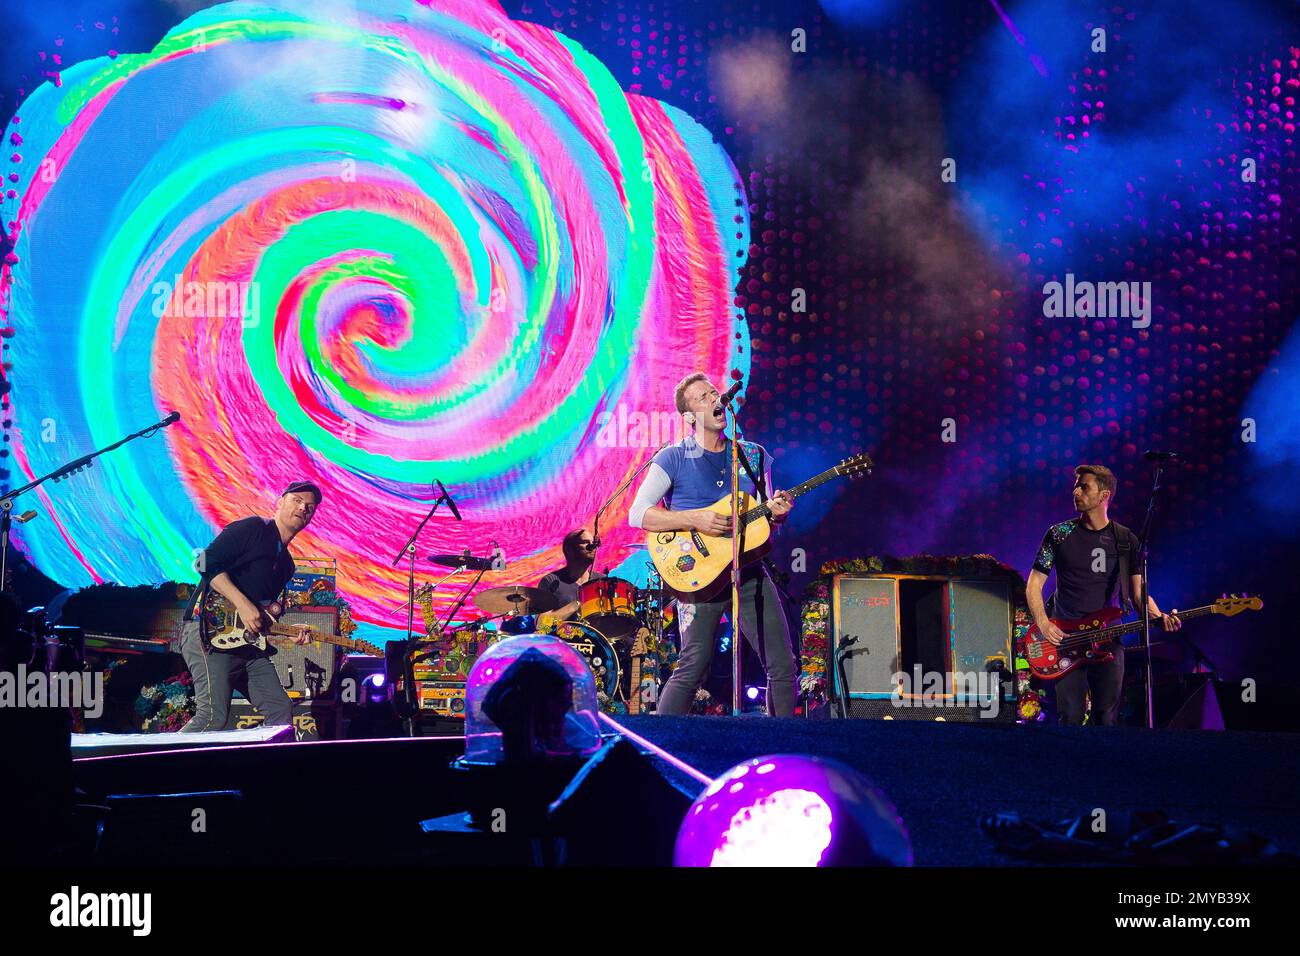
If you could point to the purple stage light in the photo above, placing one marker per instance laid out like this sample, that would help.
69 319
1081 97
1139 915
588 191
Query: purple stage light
792 810
751 692
375 680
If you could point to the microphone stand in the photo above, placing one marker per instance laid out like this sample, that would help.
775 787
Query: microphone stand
595 524
1144 546
460 601
735 566
842 654
409 550
85 461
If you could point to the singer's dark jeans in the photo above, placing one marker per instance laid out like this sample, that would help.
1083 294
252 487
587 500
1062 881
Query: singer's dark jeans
1106 681
216 673
762 621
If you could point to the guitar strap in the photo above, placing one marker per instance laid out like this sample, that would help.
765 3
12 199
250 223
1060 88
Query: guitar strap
1123 538
757 480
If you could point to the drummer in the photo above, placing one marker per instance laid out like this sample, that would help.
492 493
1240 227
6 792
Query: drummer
579 555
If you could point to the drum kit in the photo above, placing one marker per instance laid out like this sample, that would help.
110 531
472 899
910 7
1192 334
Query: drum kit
613 624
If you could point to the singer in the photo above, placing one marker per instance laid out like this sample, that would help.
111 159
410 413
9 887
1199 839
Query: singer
683 481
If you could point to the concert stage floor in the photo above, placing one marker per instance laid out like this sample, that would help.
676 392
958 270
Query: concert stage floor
109 745
943 777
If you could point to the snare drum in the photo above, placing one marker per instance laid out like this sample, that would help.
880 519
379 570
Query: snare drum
609 605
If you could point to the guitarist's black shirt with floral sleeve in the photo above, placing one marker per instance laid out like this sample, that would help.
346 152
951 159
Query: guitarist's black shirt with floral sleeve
1086 563
251 552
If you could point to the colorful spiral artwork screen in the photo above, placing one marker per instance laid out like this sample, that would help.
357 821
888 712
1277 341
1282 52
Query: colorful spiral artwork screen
371 245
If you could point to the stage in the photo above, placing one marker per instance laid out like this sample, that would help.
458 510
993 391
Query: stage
473 389
361 801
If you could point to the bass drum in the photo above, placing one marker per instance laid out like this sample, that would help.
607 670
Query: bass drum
596 649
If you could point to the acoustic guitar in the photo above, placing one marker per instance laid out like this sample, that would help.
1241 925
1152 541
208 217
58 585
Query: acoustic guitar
695 566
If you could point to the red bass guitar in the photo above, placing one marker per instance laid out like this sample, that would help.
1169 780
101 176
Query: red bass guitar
1089 639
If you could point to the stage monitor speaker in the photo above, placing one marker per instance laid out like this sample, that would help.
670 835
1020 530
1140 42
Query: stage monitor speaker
1201 709
308 670
312 719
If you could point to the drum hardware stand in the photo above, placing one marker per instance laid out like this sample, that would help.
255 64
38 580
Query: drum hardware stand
420 592
460 601
72 467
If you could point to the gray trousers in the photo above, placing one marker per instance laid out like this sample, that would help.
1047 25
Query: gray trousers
216 673
762 621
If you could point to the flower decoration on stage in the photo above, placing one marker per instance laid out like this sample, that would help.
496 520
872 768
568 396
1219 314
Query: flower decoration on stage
1029 699
166 707
815 642
371 244
323 594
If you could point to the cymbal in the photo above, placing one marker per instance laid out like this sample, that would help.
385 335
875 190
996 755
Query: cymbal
516 598
469 562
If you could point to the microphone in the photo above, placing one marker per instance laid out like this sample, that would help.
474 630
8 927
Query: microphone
447 498
731 393
171 419
1163 456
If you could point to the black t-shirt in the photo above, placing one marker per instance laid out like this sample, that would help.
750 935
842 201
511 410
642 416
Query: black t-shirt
558 584
251 552
1086 564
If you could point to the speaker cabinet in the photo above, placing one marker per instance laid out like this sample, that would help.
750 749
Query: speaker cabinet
308 670
866 609
981 623
899 631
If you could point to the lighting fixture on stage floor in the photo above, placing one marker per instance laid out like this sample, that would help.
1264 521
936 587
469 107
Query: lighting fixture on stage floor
792 810
365 695
530 698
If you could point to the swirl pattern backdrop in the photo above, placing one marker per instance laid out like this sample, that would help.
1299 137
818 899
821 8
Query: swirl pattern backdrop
369 245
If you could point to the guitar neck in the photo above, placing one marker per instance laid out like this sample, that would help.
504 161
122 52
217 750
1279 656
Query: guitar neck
287 630
762 511
1119 630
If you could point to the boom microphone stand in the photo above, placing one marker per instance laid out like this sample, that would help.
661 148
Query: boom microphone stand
85 461
595 525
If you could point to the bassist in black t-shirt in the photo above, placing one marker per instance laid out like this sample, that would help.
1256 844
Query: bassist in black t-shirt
1092 557
249 564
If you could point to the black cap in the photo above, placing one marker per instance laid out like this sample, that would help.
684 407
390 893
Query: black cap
304 486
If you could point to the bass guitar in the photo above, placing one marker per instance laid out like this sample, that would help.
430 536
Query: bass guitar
695 566
1089 639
